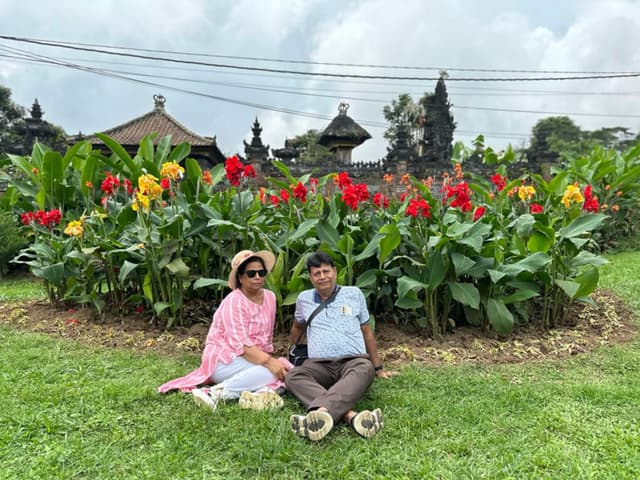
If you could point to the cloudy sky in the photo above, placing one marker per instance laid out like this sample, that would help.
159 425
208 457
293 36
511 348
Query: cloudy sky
470 39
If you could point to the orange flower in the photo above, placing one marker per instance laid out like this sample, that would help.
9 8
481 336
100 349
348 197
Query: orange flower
88 184
405 179
34 170
387 177
619 193
604 206
458 169
615 208
607 187
206 177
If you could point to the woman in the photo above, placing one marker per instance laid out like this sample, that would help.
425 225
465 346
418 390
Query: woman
236 357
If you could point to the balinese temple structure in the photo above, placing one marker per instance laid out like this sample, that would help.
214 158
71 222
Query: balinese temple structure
257 153
34 129
203 149
342 135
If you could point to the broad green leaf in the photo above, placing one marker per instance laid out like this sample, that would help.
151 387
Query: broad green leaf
178 268
496 275
367 279
54 274
532 263
520 296
122 155
408 284
474 241
461 263
587 258
160 307
500 318
465 293
304 228
588 281
581 225
147 287
569 287
328 234
408 302
390 242
126 268
437 270
207 282
370 249
539 243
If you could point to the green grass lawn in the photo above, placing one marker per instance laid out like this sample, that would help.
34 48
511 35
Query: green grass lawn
73 412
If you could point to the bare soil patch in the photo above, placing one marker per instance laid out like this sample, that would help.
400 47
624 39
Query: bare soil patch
610 321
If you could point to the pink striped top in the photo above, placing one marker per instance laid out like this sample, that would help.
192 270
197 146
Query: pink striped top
237 322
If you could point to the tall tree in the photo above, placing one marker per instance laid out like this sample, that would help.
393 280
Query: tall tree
402 110
437 140
10 113
311 152
550 136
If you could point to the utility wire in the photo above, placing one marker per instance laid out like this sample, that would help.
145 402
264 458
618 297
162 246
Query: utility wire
318 74
317 63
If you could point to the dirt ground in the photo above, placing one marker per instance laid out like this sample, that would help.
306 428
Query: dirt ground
609 322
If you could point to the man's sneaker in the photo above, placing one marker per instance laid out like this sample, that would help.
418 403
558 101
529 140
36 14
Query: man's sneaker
260 400
207 397
367 423
314 425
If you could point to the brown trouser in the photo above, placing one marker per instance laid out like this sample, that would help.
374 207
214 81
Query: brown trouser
335 384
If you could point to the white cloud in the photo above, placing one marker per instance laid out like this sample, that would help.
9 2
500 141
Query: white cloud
508 34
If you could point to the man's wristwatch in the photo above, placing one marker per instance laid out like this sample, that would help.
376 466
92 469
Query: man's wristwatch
378 368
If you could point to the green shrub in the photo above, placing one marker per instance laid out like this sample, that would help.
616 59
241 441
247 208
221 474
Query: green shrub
11 240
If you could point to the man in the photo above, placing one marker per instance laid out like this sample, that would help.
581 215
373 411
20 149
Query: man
343 359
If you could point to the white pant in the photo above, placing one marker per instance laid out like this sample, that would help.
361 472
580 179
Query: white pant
240 375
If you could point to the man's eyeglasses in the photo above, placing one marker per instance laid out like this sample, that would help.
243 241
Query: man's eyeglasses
252 273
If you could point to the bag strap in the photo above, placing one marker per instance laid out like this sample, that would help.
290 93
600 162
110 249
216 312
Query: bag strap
317 311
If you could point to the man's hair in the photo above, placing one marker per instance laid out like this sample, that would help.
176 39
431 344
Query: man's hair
318 259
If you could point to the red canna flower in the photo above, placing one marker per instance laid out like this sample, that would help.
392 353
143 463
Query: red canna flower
128 185
462 195
478 213
249 171
418 207
110 184
284 195
591 203
274 200
165 183
300 192
499 181
233 168
380 201
342 180
536 208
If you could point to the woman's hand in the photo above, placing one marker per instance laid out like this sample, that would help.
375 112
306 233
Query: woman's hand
276 368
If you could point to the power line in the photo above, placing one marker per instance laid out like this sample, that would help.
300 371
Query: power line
317 74
333 64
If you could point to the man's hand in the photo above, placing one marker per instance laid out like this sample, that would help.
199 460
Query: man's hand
385 374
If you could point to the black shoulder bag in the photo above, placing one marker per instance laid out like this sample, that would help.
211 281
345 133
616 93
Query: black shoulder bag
298 352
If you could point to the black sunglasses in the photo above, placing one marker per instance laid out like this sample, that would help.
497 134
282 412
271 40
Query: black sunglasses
253 273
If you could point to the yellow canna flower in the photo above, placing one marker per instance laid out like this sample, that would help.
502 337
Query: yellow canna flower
572 195
172 170
526 192
146 183
140 200
74 229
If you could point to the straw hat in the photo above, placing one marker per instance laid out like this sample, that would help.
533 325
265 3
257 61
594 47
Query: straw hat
267 257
